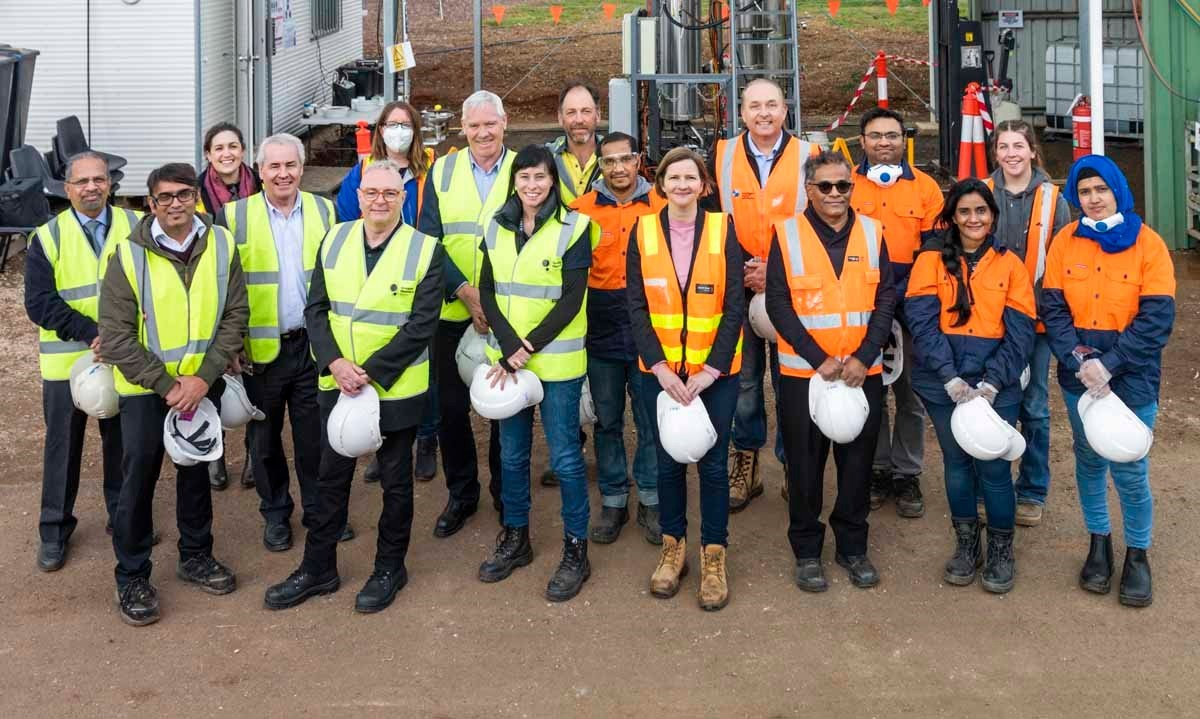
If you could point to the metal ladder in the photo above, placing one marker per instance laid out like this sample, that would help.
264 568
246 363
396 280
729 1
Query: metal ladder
789 77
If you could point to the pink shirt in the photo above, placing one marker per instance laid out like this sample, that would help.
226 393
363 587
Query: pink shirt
683 237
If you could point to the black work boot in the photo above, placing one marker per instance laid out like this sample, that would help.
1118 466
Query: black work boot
1096 575
909 502
247 478
1136 589
138 602
218 477
648 518
206 573
374 471
425 467
573 570
960 570
607 528
881 487
1000 571
512 551
379 591
549 478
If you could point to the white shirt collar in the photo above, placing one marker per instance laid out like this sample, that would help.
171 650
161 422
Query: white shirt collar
766 155
165 241
296 207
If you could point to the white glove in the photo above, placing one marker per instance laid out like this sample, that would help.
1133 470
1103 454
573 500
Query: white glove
1095 376
958 389
987 391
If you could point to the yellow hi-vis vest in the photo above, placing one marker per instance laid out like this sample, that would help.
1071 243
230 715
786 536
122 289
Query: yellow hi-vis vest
529 283
78 273
251 227
462 211
366 311
177 323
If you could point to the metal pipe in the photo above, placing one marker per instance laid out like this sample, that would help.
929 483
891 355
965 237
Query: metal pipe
389 39
1095 64
477 31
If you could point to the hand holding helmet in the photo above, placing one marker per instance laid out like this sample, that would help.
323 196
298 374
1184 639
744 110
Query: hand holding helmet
958 389
854 372
1095 376
348 375
987 391
186 393
830 369
699 382
671 384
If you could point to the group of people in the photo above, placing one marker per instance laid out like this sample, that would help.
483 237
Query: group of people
576 267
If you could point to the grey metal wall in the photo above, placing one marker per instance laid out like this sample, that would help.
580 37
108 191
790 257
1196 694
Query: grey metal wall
1047 22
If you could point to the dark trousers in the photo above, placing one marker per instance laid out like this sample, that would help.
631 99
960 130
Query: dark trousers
807 449
65 427
141 429
720 400
289 383
455 436
333 505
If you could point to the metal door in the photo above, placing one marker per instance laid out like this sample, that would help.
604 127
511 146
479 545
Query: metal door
253 70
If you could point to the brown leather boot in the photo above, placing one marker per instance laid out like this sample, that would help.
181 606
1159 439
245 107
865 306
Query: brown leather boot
744 483
672 567
714 585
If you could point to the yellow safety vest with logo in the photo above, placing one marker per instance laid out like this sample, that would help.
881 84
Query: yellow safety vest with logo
366 311
529 283
251 227
78 272
177 323
462 210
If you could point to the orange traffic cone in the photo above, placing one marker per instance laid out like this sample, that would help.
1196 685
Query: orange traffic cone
970 146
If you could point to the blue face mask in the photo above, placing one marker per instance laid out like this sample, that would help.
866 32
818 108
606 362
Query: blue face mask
884 175
1104 225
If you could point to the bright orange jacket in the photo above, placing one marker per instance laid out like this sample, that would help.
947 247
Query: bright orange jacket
612 222
906 210
835 311
686 326
756 207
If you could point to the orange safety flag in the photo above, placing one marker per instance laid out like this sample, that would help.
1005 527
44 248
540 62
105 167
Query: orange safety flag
834 6
498 13
556 13
892 5
609 10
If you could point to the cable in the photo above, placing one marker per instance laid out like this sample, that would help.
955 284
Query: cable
1195 15
702 26
464 48
1137 20
536 66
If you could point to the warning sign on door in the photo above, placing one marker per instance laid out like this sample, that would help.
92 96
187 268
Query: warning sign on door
400 57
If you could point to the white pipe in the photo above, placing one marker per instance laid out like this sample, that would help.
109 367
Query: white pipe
1095 63
933 58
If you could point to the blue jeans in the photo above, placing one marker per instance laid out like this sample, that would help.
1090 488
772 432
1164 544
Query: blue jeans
750 421
721 401
1033 481
1131 479
560 420
963 472
609 380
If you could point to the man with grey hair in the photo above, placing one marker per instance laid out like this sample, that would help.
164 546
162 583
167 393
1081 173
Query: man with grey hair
388 278
278 233
66 259
459 189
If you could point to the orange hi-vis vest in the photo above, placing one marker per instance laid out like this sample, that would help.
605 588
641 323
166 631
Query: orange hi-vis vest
1041 224
686 325
611 225
835 310
757 206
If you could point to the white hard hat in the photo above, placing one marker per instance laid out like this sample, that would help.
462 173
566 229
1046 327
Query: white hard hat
983 434
839 410
503 402
587 406
893 355
93 389
236 408
759 321
470 354
1113 430
193 438
353 426
685 431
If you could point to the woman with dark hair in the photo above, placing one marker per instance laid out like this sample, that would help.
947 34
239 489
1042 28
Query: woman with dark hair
227 176
1109 306
971 309
397 137
540 251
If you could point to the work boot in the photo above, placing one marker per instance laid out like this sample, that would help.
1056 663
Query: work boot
672 567
714 584
298 587
862 573
218 478
999 573
425 467
138 602
512 551
347 533
549 479
1096 575
51 556
1136 589
744 484
909 502
1029 515
573 570
374 471
247 478
968 555
810 576
881 487
206 573
379 591
648 517
607 528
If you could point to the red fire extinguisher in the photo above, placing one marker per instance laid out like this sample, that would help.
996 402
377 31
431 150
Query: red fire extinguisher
362 139
1081 128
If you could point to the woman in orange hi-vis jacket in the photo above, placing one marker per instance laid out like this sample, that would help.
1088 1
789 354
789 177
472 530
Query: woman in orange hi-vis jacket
971 310
686 303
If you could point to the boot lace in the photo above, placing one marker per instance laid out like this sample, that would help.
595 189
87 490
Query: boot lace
572 557
714 562
137 591
670 555
743 465
507 542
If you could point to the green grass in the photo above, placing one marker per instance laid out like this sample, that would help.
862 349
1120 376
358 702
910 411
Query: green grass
538 13
910 17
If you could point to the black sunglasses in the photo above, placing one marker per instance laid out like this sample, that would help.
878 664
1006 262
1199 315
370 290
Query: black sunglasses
843 187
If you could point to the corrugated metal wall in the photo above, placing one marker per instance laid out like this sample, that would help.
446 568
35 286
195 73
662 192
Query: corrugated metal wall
304 73
142 110
218 64
1047 22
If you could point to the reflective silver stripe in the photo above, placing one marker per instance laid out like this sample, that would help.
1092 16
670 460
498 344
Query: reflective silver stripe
793 361
264 333
726 180
821 322
217 235
564 178
141 272
1048 191
872 237
336 246
323 211
413 261
489 237
379 317
262 278
308 275
558 347
533 292
568 229
59 348
858 319
460 228
801 194
239 221
655 282
131 218
791 231
345 309
79 293
448 171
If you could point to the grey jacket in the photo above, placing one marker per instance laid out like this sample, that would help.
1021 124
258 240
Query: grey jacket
1012 226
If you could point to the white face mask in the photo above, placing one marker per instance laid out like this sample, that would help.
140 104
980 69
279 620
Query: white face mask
398 139
884 175
1103 225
